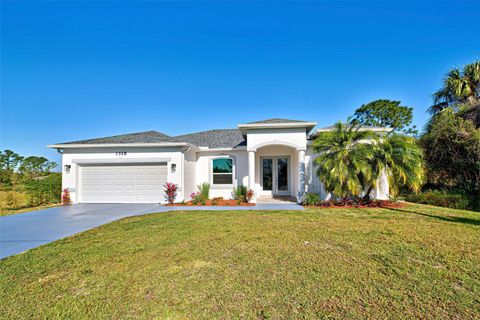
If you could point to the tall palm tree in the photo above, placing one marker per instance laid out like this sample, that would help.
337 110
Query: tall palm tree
459 87
352 160
343 160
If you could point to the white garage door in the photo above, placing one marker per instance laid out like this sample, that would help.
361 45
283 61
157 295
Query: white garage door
126 183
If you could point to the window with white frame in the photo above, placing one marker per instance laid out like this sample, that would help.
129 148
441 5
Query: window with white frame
222 171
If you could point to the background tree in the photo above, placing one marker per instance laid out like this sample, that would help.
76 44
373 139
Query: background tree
33 167
460 87
453 156
386 113
9 160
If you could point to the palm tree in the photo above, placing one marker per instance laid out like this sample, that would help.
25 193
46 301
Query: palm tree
352 160
459 87
343 160
401 159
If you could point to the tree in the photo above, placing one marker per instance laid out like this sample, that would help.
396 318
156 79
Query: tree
33 166
9 160
343 160
352 160
453 156
459 87
386 113
400 157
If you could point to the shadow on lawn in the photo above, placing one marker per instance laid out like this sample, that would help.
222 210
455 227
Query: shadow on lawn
475 222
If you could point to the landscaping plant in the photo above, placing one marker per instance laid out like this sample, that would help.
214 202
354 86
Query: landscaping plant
66 200
204 190
240 193
170 192
311 199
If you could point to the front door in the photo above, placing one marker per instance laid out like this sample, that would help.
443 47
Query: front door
276 175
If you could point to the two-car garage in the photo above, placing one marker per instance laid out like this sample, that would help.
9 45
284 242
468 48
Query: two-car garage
122 183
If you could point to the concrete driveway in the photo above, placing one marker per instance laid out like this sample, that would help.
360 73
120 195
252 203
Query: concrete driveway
25 231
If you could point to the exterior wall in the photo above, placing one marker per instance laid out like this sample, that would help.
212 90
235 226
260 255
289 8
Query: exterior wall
72 180
189 173
204 171
293 137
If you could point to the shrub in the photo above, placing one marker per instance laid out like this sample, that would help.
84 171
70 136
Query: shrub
204 190
170 192
445 198
66 200
312 199
45 190
12 200
240 193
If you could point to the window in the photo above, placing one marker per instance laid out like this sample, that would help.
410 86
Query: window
222 170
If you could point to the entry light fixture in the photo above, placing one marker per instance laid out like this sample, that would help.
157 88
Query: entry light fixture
173 167
67 168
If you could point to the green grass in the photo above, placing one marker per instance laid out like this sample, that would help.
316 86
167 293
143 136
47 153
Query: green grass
413 262
7 212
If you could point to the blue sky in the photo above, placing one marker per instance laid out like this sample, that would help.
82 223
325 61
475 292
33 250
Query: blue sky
76 70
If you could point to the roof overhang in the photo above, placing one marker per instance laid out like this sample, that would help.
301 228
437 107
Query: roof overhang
307 125
119 145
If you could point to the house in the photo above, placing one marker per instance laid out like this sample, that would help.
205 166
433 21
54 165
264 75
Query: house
273 157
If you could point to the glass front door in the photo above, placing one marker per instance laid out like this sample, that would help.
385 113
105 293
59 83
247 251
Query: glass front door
276 175
282 176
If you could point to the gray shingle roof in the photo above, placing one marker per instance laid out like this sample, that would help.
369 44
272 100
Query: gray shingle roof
219 138
277 120
138 137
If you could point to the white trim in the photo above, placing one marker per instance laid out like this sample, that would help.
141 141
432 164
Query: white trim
121 160
125 145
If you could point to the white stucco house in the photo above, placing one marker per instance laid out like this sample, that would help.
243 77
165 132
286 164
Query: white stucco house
273 157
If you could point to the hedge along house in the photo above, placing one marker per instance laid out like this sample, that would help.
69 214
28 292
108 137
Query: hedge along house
274 157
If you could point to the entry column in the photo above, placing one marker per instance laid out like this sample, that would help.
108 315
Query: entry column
301 175
251 170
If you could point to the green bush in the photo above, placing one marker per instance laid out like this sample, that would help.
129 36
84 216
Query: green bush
312 199
240 193
204 190
13 200
46 190
445 198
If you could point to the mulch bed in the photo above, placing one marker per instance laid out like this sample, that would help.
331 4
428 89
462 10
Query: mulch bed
214 203
351 204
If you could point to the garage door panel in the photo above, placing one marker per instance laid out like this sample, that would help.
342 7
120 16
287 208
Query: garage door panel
129 183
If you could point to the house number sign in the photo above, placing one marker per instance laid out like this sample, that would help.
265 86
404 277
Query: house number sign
122 153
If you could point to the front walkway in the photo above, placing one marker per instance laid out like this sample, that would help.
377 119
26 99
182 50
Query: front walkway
28 230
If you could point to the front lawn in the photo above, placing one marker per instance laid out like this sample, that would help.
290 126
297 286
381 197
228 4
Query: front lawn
411 262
